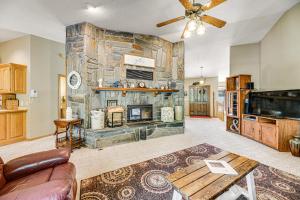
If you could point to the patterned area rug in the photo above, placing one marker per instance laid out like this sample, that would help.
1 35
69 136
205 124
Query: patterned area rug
145 180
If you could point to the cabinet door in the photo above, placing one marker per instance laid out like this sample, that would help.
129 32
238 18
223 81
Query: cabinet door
269 135
3 127
19 80
16 125
257 132
248 127
5 80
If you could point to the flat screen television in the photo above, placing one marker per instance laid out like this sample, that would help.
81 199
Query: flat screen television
278 104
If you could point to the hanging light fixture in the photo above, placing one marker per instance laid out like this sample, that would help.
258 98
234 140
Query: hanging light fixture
202 78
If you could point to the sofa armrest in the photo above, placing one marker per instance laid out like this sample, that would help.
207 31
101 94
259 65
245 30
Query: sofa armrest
35 162
53 190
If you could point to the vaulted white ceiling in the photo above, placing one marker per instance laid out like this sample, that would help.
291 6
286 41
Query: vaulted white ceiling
9 35
248 21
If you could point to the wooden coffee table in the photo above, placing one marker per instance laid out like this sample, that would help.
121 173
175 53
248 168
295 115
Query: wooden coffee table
196 182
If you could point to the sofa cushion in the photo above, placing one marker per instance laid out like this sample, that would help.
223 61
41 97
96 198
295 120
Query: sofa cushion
53 190
64 171
27 181
2 178
32 163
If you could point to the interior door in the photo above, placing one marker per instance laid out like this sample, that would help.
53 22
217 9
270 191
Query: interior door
199 97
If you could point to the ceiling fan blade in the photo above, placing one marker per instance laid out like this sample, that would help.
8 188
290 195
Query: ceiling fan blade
170 21
213 21
188 5
212 4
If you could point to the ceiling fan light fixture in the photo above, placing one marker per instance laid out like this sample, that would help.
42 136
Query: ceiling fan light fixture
187 34
192 26
201 29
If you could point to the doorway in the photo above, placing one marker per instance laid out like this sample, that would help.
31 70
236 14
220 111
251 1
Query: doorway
199 100
62 96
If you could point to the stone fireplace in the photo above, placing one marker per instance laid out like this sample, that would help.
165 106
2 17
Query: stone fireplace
96 53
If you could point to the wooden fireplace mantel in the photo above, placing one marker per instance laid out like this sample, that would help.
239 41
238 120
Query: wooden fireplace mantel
125 90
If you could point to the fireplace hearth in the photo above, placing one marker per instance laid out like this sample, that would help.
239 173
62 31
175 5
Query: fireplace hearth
139 113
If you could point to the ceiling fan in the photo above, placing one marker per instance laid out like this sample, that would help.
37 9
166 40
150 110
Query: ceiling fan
195 13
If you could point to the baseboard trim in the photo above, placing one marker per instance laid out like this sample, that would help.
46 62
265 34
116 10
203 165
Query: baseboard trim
39 137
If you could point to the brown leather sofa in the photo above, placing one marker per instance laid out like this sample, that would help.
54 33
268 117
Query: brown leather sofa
39 176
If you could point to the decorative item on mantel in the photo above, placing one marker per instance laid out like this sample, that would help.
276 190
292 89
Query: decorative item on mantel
178 113
115 116
167 114
100 82
295 145
117 84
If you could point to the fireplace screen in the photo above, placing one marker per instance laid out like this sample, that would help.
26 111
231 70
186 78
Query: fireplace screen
137 113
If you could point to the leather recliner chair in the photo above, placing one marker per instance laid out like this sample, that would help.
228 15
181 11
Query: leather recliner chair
39 176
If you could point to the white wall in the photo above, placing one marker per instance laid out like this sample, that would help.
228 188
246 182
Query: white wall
280 53
275 61
245 59
212 82
43 65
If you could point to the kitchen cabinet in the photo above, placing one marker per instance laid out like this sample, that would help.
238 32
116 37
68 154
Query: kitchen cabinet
13 78
12 126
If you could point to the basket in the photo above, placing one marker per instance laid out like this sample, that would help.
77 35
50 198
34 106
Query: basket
12 104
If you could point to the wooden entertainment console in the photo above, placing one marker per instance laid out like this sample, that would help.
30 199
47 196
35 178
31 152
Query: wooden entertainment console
272 132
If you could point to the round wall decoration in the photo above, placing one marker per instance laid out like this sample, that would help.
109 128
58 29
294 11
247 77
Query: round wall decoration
74 80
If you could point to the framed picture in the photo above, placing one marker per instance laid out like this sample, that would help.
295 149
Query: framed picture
111 103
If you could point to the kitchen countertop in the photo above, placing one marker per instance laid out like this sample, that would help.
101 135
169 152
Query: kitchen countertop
20 109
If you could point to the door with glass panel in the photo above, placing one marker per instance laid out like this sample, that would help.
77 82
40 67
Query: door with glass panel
199 100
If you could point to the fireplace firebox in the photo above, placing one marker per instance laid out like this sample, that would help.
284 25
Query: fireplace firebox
137 113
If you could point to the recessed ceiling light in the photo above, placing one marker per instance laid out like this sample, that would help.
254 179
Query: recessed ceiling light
92 9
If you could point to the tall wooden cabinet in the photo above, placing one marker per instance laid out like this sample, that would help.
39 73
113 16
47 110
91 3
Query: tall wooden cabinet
12 78
236 91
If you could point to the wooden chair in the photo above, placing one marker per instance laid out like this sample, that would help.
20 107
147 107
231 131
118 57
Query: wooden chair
64 126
